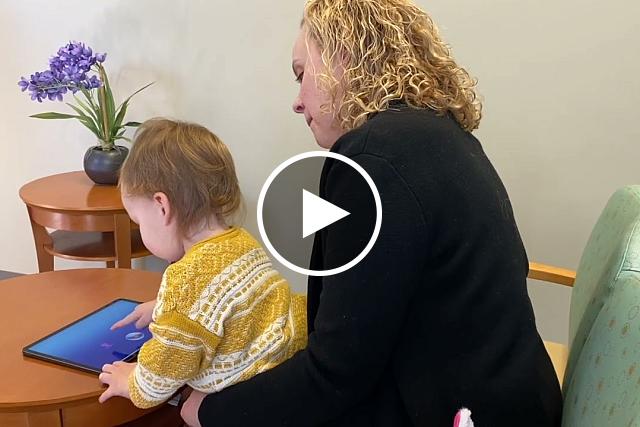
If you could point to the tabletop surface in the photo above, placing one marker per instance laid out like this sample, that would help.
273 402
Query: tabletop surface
33 306
71 191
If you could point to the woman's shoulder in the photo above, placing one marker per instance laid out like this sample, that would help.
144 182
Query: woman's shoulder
402 129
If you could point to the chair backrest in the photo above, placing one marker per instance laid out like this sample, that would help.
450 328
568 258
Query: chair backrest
602 380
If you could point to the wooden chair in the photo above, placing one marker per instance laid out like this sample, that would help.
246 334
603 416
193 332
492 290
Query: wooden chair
559 353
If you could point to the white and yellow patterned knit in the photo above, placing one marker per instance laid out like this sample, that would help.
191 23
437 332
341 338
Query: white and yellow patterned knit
223 315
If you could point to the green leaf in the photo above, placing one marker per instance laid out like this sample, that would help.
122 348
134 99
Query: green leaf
91 126
52 115
104 116
111 106
87 109
123 137
106 104
118 123
136 92
89 97
87 121
81 112
122 111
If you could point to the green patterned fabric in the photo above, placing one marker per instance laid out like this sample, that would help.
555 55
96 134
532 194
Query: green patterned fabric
602 380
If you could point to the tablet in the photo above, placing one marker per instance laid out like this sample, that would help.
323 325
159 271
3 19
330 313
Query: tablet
88 343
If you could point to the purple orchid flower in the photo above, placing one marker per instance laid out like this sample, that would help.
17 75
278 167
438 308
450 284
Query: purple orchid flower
68 71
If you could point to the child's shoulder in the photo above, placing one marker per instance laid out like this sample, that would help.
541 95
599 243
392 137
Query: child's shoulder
215 264
234 242
212 256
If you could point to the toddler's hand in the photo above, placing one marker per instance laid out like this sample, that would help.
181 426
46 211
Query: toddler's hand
141 315
116 376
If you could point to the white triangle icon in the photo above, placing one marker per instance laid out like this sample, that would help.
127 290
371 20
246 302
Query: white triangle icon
317 213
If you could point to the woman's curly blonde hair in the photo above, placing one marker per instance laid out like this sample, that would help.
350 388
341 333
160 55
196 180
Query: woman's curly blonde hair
390 50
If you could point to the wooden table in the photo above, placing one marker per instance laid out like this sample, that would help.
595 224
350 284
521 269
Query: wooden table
91 223
34 393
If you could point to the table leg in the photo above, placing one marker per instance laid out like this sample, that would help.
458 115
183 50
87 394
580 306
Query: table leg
122 237
41 238
45 419
31 419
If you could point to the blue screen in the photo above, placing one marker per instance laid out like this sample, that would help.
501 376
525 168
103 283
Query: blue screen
90 343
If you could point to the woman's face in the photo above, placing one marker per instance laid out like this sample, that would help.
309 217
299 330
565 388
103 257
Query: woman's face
307 63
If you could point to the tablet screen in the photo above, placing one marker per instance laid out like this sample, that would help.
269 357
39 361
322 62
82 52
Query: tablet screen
88 343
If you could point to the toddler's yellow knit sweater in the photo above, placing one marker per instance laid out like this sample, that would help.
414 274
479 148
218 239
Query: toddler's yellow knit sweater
223 315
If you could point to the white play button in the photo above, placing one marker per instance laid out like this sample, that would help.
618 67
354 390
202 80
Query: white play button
317 213
288 223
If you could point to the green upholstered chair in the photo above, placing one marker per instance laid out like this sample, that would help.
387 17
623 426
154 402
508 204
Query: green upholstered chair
601 383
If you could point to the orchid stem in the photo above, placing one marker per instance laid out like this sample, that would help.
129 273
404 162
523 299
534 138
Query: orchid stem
103 97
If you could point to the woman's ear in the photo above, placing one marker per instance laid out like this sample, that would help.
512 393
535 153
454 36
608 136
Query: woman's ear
162 203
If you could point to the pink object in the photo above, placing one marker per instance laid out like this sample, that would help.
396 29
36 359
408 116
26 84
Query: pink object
463 418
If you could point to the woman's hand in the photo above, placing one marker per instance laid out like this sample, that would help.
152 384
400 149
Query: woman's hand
189 411
141 315
116 376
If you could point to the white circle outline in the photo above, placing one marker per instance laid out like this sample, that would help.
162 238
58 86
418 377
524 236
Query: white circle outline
134 336
376 228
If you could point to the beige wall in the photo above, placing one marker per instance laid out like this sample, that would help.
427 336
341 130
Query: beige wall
559 81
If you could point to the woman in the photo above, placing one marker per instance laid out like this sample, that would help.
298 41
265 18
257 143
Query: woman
437 316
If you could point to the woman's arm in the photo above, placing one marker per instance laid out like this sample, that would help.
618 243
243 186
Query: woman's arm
360 314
